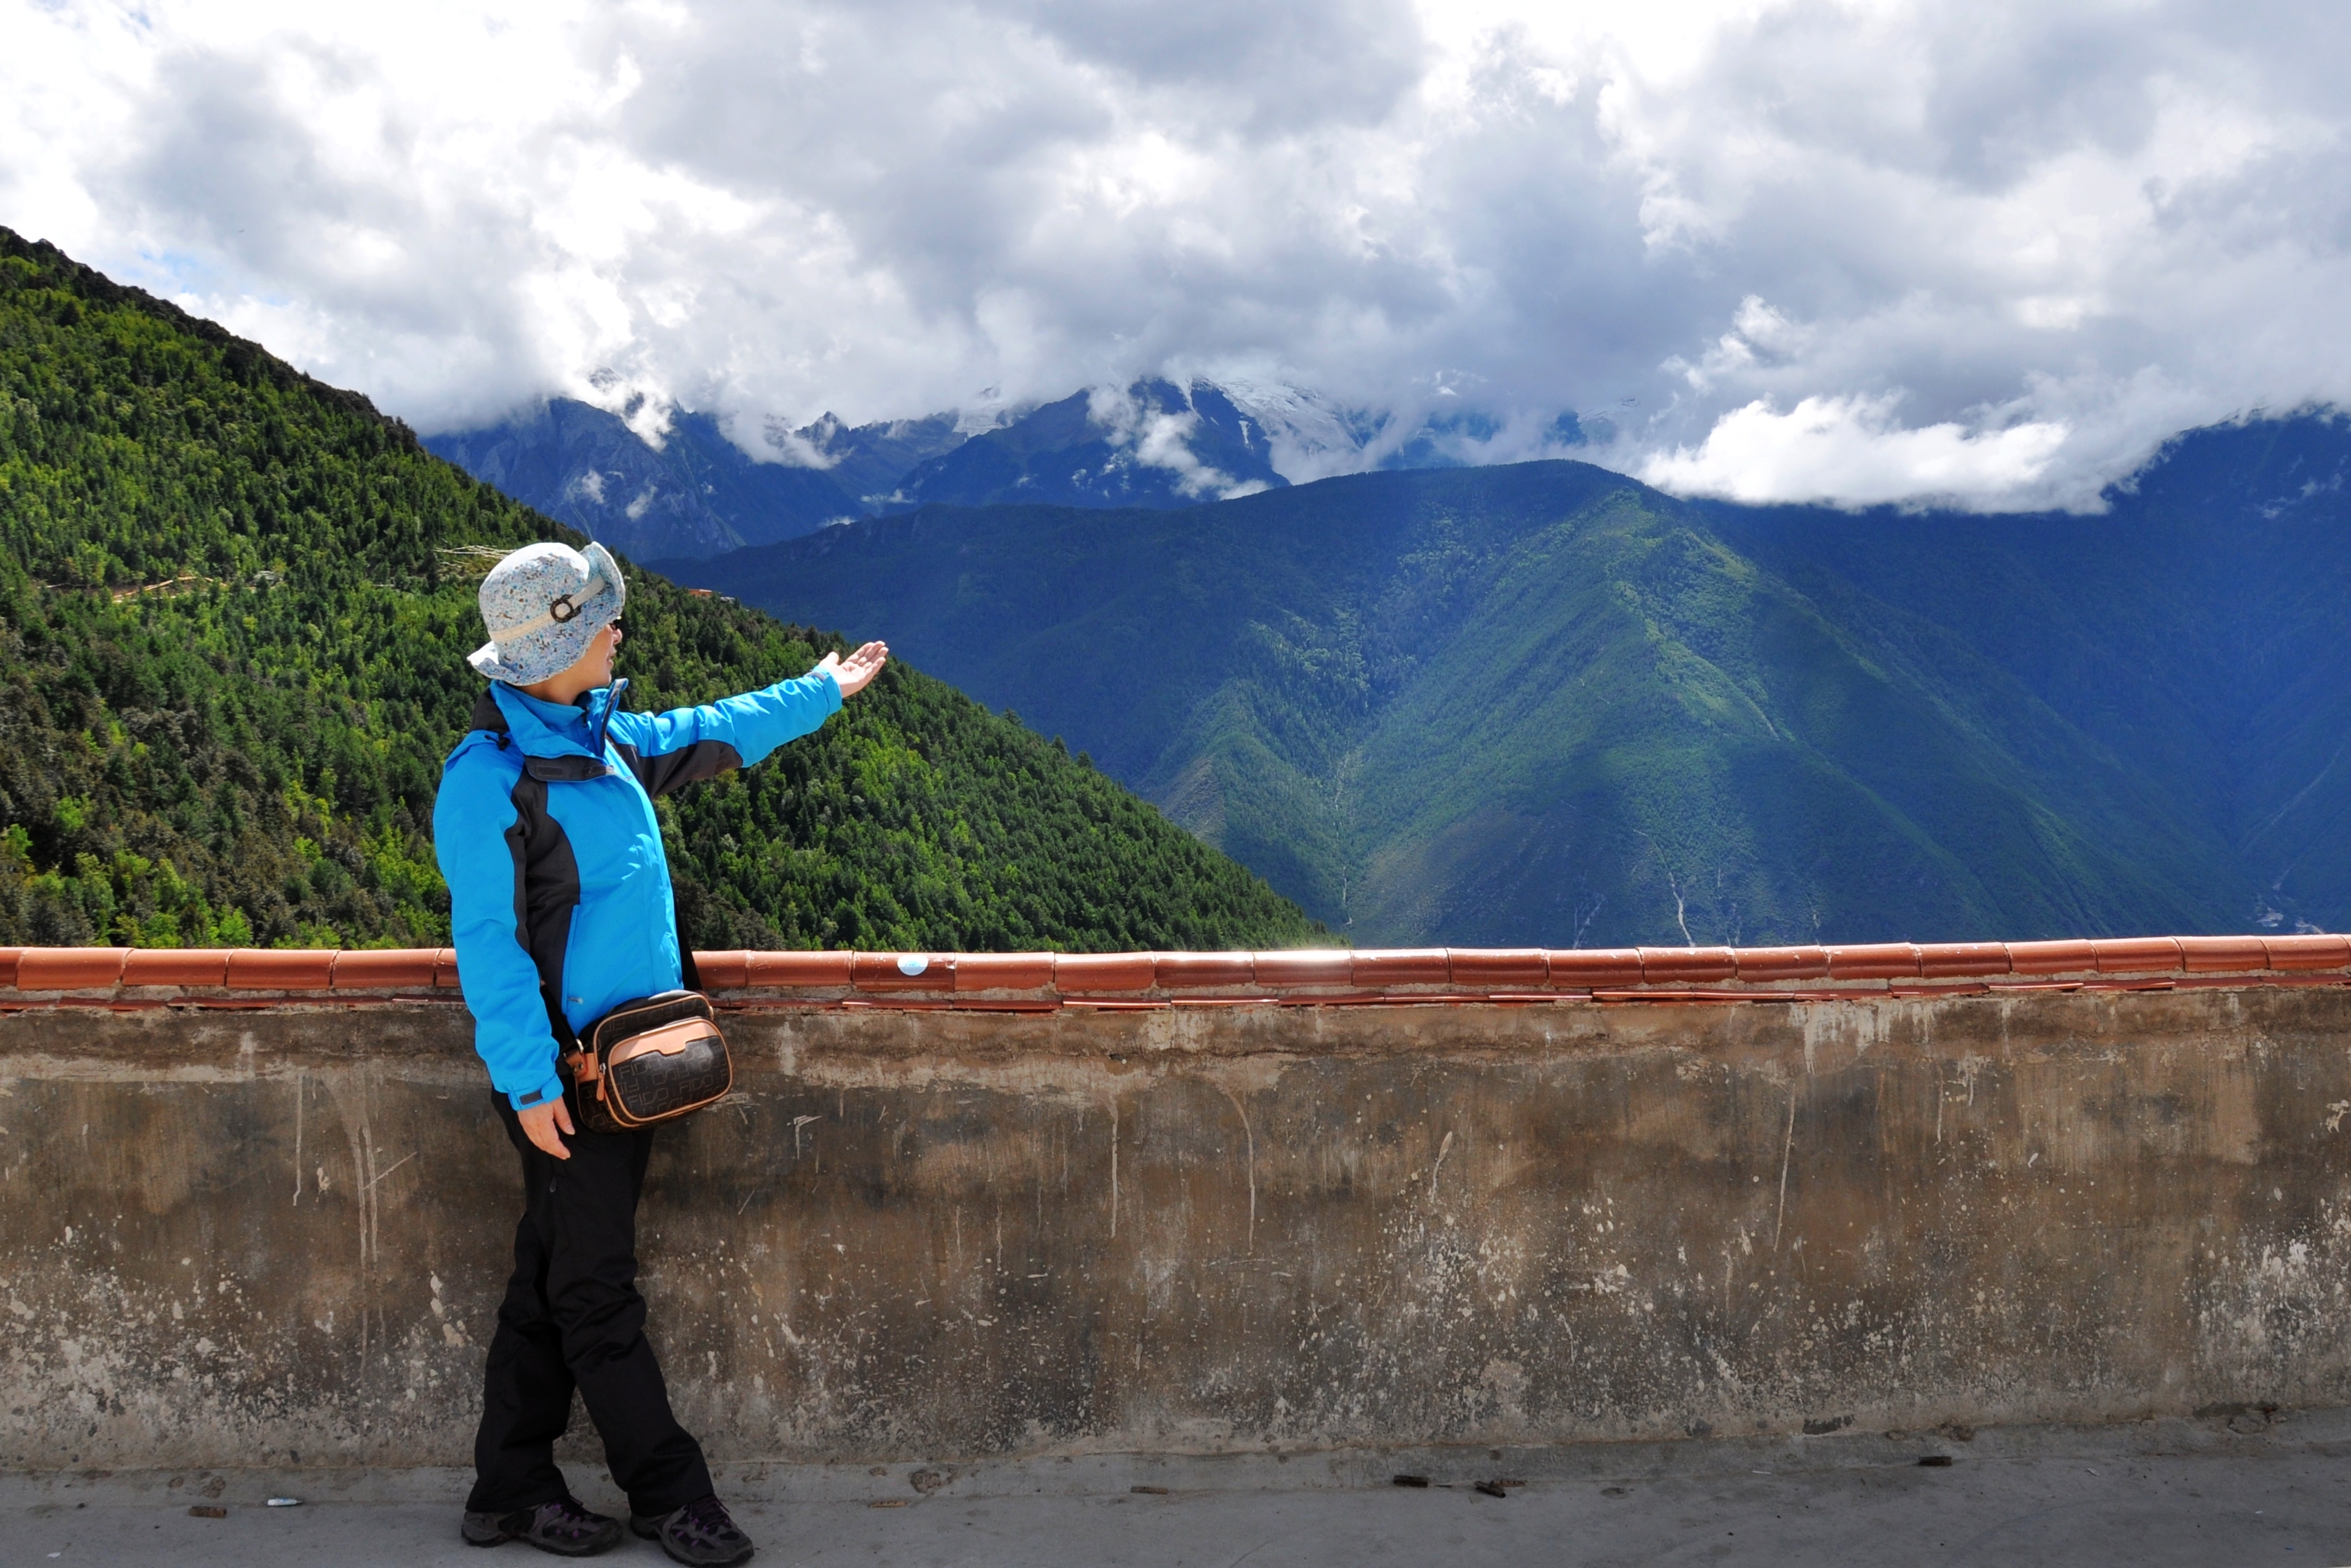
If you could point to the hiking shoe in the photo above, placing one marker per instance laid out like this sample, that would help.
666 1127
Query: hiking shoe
699 1534
562 1527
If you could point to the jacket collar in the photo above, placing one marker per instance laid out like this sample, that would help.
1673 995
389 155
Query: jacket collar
547 729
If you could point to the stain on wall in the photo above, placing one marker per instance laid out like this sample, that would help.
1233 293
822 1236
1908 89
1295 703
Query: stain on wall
279 1236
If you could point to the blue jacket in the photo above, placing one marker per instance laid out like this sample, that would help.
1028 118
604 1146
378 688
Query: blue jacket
559 902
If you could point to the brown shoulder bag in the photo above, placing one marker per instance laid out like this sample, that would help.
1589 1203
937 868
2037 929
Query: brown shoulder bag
651 1060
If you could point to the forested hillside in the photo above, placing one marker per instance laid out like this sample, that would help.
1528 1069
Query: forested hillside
1546 704
234 607
2195 632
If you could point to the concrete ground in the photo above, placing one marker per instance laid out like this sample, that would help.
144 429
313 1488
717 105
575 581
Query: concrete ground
2237 1491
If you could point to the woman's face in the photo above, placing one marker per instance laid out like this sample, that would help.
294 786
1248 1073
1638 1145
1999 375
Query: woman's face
592 669
602 651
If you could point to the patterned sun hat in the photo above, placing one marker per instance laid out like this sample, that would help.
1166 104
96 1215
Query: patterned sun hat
543 605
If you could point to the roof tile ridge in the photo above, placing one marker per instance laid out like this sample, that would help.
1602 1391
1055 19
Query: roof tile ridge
1237 974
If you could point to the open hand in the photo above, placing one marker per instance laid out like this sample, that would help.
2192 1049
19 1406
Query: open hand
541 1121
857 670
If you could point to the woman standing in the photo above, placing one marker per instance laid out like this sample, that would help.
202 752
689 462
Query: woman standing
560 909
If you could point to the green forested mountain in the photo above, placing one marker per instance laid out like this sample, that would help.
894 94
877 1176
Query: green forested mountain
1545 704
2197 632
234 607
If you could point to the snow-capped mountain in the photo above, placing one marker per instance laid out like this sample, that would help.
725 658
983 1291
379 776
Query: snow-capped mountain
691 487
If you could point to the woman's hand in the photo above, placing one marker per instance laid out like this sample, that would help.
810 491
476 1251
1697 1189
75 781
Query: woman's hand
540 1122
856 672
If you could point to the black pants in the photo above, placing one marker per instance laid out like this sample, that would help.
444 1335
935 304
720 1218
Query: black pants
573 1319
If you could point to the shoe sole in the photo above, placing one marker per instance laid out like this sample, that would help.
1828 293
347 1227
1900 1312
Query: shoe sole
504 1536
710 1562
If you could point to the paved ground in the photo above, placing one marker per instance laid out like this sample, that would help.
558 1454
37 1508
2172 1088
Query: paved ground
2241 1491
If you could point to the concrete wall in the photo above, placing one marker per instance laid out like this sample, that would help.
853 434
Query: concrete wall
277 1235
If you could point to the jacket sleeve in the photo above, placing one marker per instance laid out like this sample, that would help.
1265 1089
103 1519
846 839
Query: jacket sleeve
667 750
470 818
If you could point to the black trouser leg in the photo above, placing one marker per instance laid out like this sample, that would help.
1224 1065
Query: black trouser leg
572 1318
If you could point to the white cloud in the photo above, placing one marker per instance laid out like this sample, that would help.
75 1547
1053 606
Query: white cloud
2105 218
1155 439
1849 450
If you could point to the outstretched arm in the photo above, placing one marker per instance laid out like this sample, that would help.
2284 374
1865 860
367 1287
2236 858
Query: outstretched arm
669 750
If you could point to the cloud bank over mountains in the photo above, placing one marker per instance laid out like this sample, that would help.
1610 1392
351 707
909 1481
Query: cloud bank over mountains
1984 253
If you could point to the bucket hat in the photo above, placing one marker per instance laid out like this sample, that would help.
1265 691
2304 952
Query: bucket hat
543 605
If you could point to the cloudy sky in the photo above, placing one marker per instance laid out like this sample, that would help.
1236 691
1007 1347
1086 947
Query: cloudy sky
1978 251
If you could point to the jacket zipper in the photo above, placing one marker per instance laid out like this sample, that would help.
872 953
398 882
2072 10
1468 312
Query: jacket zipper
605 722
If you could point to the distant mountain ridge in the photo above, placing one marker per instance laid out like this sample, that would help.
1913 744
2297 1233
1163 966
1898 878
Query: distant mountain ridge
1154 445
688 490
1546 704
695 494
870 461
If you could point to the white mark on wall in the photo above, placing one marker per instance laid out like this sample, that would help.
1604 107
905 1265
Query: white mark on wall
1442 1150
1969 1067
388 1169
1114 1168
1787 1150
352 1097
2335 1114
297 1140
1250 1143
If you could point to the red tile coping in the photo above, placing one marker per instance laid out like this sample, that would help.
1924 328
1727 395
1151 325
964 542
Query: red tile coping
2221 955
1004 971
1687 966
388 968
192 967
1305 968
1104 971
1782 963
1875 961
812 970
1380 967
2052 957
2308 952
288 970
70 968
1497 969
1953 960
1336 975
1579 966
901 971
1203 971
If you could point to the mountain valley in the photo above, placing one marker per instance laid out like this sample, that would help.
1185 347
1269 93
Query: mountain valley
1546 705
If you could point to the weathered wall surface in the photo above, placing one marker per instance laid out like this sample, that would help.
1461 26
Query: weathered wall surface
231 1238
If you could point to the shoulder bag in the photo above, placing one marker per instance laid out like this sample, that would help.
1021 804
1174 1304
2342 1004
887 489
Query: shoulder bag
651 1060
